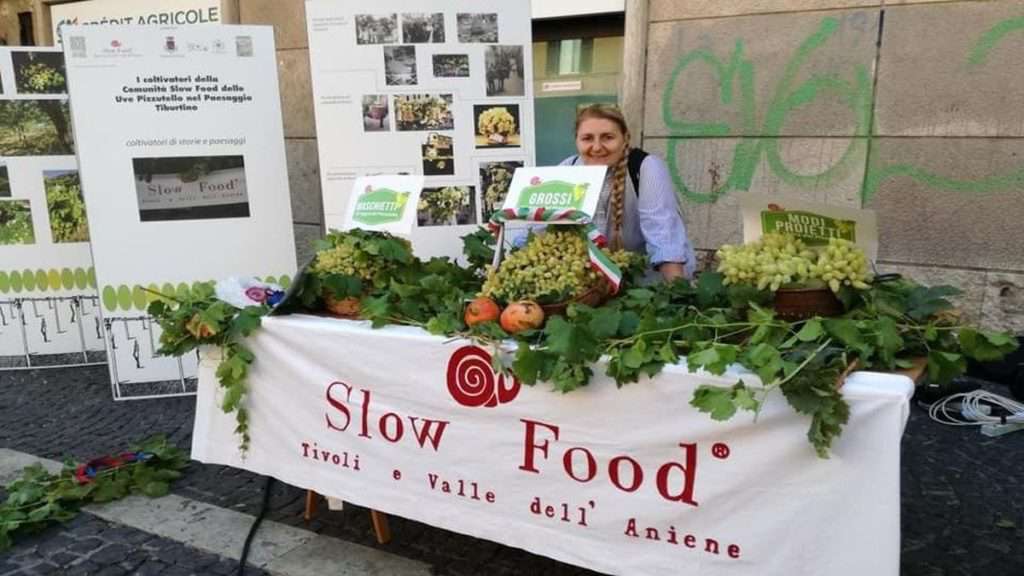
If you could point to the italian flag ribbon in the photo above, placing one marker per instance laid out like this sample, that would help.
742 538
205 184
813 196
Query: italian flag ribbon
599 261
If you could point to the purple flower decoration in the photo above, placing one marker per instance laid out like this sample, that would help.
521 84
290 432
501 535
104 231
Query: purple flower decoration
257 294
245 292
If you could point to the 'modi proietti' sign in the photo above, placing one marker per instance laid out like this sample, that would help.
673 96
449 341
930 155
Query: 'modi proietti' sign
623 481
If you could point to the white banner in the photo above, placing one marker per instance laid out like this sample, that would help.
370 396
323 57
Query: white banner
48 304
623 481
182 158
442 88
136 12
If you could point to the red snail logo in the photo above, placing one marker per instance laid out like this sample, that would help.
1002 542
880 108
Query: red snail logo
473 383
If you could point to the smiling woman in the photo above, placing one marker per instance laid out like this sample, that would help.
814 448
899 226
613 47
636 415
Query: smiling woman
640 213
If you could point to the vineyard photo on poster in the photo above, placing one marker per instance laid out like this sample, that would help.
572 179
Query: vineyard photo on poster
424 112
497 126
376 29
5 183
438 155
375 113
447 206
39 72
16 222
504 70
35 128
191 187
423 28
400 65
66 206
451 65
477 27
495 180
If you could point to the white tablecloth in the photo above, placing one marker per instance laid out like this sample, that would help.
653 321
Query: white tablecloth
623 481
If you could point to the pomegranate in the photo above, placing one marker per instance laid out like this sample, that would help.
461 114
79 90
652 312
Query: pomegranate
481 309
522 315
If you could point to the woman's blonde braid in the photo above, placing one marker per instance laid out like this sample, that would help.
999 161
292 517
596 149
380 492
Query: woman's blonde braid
618 197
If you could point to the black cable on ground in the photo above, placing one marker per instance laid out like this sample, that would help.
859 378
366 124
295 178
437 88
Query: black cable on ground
255 525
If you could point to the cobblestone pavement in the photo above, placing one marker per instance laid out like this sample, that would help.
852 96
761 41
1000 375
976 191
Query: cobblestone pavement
962 510
90 546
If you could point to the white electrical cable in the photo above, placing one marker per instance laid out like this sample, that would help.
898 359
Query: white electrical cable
975 409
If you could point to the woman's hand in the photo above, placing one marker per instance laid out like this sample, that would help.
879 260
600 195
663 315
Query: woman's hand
671 270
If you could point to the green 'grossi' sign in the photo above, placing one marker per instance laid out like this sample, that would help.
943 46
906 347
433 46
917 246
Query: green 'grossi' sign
553 195
380 206
813 229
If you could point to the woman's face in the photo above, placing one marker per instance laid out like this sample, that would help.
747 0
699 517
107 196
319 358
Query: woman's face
600 142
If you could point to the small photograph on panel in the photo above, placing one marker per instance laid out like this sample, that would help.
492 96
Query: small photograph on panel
495 180
376 29
504 69
477 27
375 113
400 65
451 65
39 72
424 112
35 128
66 206
423 28
497 126
16 222
191 187
5 182
438 155
447 206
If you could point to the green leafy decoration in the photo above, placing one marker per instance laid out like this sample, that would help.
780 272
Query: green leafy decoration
38 498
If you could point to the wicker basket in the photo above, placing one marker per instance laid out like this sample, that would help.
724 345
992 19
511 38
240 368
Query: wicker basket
347 308
597 295
803 303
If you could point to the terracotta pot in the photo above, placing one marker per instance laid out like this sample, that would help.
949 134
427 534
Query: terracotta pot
347 308
803 303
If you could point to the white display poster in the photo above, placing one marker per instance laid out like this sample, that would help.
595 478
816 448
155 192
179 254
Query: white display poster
556 188
183 166
137 12
812 222
384 203
441 88
48 304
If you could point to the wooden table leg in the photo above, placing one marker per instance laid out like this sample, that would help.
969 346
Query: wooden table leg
311 502
379 520
380 526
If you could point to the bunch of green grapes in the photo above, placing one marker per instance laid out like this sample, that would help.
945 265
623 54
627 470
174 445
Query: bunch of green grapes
552 267
771 262
351 254
842 263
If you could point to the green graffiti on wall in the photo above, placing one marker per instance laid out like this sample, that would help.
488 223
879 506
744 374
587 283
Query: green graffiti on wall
984 46
735 82
736 85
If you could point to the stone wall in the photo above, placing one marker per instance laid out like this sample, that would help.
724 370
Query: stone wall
9 27
914 109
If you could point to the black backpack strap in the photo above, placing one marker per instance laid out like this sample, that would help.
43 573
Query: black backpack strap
635 160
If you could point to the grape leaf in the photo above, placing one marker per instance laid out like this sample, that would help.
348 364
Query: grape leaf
714 400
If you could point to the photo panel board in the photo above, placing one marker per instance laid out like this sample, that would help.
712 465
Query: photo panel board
182 161
48 299
438 88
